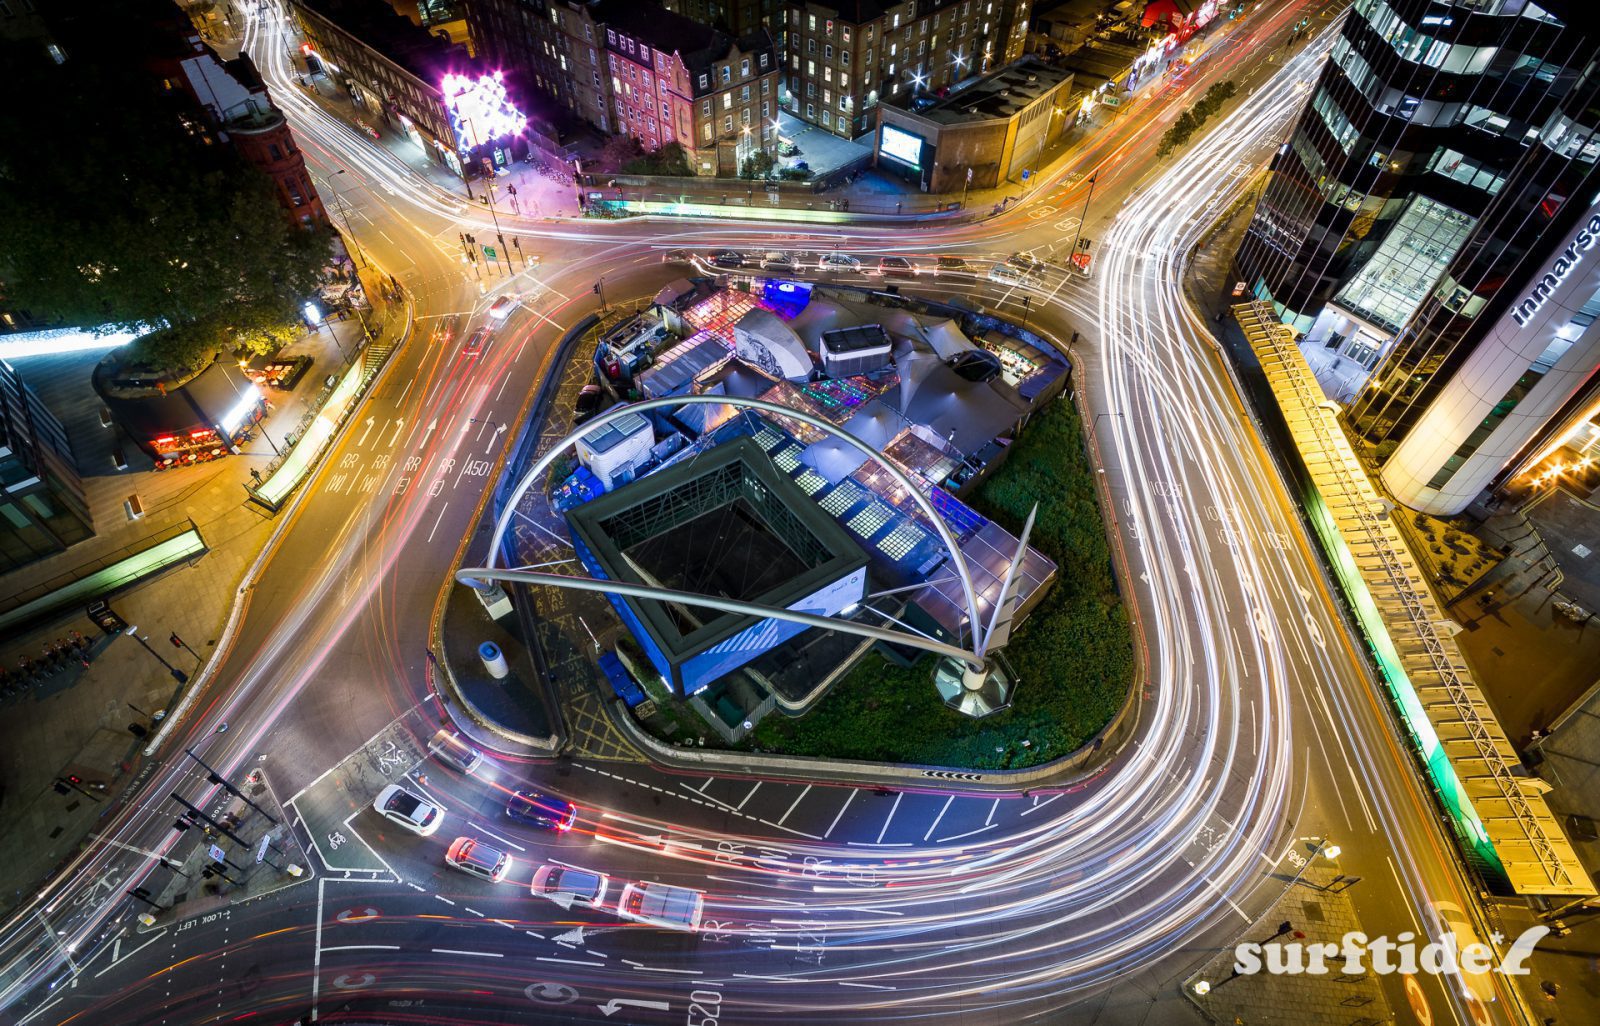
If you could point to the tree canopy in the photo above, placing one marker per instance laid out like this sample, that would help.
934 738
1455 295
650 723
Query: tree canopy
120 210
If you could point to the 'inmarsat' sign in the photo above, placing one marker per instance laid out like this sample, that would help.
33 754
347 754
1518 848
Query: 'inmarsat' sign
1559 272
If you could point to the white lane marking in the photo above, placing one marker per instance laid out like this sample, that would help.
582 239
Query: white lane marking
867 986
1403 890
846 805
316 961
565 961
502 840
782 819
117 961
969 833
1218 892
364 947
990 818
1040 804
447 901
942 810
897 796
437 519
749 796
476 954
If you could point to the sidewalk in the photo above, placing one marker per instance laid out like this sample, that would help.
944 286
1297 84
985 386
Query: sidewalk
69 719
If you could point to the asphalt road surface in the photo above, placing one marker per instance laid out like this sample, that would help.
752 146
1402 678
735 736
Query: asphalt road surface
1261 737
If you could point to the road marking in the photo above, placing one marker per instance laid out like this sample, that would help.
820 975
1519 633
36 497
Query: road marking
794 804
473 911
447 901
364 947
969 833
867 986
897 796
316 961
1218 892
749 796
1040 804
503 840
846 805
437 519
990 818
942 810
476 954
1403 890
116 960
563 961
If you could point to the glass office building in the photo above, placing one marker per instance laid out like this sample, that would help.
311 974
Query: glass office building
42 505
1442 172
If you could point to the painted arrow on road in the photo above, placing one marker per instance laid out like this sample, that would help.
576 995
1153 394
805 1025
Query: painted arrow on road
493 438
396 436
574 937
367 432
616 1005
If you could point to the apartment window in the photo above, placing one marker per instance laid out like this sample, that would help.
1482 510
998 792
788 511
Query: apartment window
766 109
844 34
705 108
744 116
844 57
811 46
811 69
666 111
827 74
766 86
811 89
727 101
727 123
705 132
705 81
827 97
827 53
764 61
811 22
794 61
611 37
827 120
811 112
727 74
744 94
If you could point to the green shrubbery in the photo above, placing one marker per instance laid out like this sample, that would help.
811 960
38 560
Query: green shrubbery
1074 655
1189 121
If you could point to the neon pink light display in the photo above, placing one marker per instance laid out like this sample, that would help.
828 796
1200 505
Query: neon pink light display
480 111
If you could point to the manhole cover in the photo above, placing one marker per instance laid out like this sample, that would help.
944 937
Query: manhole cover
1313 912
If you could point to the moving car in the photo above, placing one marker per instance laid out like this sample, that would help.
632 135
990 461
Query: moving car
1005 274
452 751
477 342
898 267
842 263
663 905
1447 921
1026 262
471 855
951 265
777 260
539 810
727 258
411 811
502 308
569 885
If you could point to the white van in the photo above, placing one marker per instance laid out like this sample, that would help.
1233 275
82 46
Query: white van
663 905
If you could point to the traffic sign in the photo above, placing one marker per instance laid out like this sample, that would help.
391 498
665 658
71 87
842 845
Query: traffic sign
488 251
1026 175
261 849
217 854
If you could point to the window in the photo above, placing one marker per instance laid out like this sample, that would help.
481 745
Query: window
705 108
744 117
277 154
811 46
844 34
811 22
827 53
705 81
727 74
844 102
611 37
744 68
727 123
1344 133
705 131
766 86
766 109
811 69
727 101
811 111
764 57
844 57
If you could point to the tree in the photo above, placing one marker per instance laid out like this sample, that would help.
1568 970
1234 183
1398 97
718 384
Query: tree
150 224
757 165
670 160
618 151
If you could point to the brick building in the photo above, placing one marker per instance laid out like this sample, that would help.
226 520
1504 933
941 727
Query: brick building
633 68
733 16
844 58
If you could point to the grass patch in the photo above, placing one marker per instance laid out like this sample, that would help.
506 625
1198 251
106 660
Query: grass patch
1074 655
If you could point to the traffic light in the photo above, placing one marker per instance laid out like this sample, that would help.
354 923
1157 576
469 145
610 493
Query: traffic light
595 288
177 642
305 48
74 779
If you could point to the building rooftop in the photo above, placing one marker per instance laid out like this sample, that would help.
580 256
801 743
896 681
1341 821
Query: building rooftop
377 25
1000 94
856 339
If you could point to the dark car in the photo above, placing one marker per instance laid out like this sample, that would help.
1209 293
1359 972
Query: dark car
542 811
588 403
727 258
950 265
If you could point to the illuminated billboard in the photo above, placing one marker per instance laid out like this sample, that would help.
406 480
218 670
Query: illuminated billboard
480 110
902 146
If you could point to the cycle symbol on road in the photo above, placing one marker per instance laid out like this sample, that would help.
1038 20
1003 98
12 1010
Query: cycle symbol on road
335 839
390 757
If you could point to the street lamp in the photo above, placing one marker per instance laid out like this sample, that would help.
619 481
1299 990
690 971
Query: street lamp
348 228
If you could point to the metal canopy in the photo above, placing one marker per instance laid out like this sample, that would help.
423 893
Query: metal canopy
1499 814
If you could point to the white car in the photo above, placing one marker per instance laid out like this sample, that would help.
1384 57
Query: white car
842 263
502 308
569 885
413 812
777 260
1005 274
1447 921
663 905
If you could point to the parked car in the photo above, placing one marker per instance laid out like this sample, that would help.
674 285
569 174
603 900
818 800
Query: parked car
898 267
452 751
540 810
663 905
502 308
478 342
411 811
951 265
727 258
588 403
569 885
776 260
840 263
471 855
677 256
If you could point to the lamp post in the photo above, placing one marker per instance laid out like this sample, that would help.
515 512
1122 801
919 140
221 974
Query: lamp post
261 424
1083 215
348 228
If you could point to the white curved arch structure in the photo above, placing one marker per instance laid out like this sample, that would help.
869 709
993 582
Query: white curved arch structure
973 657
